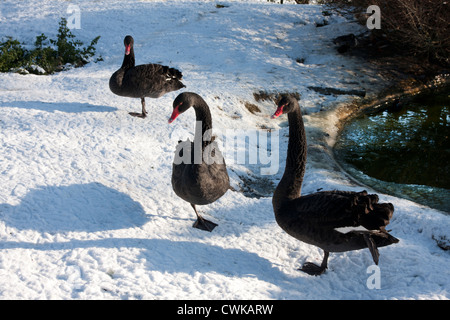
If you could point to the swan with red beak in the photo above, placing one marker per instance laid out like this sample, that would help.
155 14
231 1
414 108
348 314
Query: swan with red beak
145 80
320 218
198 182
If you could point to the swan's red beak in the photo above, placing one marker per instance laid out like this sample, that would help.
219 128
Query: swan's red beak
127 49
175 114
278 112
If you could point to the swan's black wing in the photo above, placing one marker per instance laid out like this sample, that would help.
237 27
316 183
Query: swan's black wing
343 208
152 80
314 219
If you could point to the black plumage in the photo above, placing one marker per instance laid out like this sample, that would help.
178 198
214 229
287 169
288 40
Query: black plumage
313 218
146 80
199 173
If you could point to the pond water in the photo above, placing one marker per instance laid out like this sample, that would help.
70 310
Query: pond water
405 152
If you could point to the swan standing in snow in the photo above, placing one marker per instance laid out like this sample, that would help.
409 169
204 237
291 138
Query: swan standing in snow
316 218
146 80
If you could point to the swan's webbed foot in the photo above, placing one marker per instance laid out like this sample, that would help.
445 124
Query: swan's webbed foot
137 114
144 112
204 224
315 270
312 269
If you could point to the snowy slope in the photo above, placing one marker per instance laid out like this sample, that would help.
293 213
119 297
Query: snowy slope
86 206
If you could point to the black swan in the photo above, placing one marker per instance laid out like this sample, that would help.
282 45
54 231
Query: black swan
314 218
199 173
146 80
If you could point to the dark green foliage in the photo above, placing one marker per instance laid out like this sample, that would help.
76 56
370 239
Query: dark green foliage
11 54
51 55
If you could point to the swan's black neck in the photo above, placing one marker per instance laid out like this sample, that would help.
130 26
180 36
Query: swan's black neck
291 183
203 118
128 60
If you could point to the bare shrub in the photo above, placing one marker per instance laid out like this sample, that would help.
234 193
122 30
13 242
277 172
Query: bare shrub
417 27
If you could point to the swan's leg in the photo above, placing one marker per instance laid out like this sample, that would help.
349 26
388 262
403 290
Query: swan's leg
143 114
202 223
315 270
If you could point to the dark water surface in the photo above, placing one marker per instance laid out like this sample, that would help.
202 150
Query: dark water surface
405 152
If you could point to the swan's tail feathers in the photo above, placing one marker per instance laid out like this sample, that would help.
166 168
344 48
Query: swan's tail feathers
175 76
383 238
376 239
175 73
372 214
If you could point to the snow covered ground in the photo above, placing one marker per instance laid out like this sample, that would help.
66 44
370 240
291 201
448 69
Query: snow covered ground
86 205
